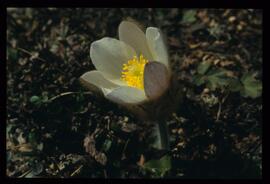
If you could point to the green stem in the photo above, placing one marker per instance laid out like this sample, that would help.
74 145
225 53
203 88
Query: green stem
163 165
164 135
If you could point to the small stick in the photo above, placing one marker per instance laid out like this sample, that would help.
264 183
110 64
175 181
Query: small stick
67 93
219 111
77 170
124 149
220 105
31 54
24 174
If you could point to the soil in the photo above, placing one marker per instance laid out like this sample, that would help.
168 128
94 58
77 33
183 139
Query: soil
51 133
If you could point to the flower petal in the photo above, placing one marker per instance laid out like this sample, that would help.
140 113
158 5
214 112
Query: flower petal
126 95
157 45
156 79
131 34
97 79
109 54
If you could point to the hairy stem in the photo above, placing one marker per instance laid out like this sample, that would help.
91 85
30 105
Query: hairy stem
164 135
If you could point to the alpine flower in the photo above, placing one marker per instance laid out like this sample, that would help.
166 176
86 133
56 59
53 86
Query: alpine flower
133 69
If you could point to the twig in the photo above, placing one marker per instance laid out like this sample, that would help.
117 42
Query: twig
77 170
31 54
56 164
67 93
220 106
24 174
124 149
219 110
252 149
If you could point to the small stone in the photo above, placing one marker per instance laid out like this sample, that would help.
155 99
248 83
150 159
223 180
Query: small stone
239 27
206 90
232 19
125 119
216 61
180 131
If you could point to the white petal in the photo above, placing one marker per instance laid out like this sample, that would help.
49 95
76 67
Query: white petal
109 54
156 79
131 34
157 45
126 95
97 79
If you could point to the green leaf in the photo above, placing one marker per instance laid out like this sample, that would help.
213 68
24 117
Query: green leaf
12 53
252 87
32 137
45 99
107 145
235 85
159 167
199 79
36 170
203 67
189 17
216 31
217 78
36 100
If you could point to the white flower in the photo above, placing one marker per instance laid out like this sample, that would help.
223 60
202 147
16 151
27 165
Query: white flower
133 69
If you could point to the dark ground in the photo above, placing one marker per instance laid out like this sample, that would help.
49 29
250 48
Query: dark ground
215 133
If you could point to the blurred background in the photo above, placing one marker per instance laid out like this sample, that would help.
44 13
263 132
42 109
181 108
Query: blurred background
216 133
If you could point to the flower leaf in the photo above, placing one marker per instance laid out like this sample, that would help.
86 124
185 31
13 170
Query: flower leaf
36 170
217 78
159 166
251 87
235 85
12 54
189 17
203 67
199 79
36 100
107 145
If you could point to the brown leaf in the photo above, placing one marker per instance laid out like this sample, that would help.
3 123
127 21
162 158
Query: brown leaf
141 161
25 148
174 42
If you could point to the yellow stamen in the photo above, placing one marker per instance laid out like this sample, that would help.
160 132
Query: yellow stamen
132 72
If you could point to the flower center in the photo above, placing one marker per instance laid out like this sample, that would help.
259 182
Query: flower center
132 72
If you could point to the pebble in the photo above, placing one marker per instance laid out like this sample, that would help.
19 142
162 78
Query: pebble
232 19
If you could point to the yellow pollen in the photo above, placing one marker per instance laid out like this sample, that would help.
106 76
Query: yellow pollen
132 72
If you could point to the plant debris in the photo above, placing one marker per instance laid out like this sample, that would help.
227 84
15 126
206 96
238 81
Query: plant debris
56 128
